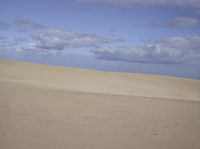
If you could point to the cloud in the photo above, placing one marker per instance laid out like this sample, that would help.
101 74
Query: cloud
179 3
56 39
48 40
27 25
184 21
4 25
32 48
173 50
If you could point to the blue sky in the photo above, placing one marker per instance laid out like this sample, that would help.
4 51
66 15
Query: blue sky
157 36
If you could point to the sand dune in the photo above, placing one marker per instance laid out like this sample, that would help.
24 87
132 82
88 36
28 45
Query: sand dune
50 107
100 82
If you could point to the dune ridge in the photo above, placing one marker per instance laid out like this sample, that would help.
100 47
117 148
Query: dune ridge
83 80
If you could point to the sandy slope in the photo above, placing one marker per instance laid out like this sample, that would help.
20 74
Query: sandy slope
48 107
100 82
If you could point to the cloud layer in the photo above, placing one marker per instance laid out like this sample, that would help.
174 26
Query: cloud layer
174 50
180 3
43 40
60 39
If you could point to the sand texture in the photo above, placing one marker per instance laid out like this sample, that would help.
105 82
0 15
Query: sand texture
51 107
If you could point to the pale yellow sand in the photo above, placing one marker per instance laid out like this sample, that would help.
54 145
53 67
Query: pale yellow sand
48 107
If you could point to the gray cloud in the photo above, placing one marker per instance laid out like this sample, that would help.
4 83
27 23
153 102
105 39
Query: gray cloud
4 25
179 3
27 25
184 21
174 50
56 39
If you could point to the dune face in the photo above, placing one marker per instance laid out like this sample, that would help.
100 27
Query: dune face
49 107
83 80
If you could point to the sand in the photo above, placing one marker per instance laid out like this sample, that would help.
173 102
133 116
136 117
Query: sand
51 107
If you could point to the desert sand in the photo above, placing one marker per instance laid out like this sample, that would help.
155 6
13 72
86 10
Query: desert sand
51 107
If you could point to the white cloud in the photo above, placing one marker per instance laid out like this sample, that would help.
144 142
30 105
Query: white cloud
47 40
184 21
60 39
170 50
32 48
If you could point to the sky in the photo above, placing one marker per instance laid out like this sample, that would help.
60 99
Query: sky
142 36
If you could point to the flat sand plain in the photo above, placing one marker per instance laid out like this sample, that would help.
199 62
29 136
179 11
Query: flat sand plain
51 107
